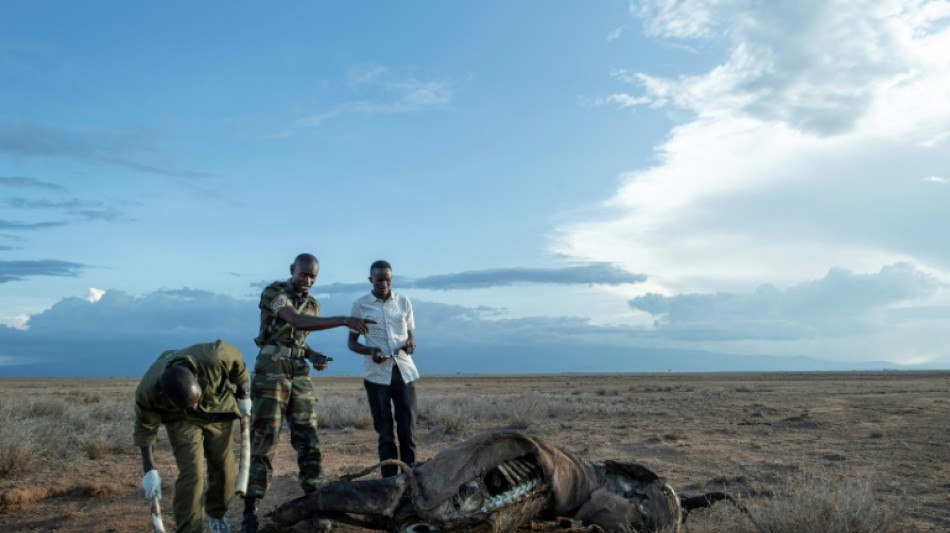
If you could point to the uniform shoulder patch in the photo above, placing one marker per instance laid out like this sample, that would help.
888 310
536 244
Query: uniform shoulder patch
278 303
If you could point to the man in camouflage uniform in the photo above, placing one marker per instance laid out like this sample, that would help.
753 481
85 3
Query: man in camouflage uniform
197 392
281 386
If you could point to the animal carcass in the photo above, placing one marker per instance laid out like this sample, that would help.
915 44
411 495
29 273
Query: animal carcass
495 482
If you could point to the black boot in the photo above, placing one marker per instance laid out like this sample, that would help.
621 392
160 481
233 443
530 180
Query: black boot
249 524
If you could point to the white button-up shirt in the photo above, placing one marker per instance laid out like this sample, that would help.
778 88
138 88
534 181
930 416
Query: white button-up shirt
394 321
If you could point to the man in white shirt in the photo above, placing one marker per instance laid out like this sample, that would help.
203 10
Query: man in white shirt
388 370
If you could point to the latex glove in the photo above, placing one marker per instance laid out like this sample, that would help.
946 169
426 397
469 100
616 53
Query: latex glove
152 484
244 406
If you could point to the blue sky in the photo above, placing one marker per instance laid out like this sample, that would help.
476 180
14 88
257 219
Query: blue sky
559 186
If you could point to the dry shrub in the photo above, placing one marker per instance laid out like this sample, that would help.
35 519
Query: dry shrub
343 413
55 430
98 430
83 397
98 446
45 408
24 497
816 504
18 450
451 416
20 498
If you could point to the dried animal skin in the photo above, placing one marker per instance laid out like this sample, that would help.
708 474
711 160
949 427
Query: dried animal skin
496 482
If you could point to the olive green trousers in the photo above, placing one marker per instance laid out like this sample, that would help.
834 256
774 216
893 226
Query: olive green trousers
202 444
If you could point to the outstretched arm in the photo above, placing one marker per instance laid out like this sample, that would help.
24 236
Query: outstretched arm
316 323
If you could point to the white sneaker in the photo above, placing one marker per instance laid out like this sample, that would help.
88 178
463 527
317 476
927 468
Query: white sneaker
218 525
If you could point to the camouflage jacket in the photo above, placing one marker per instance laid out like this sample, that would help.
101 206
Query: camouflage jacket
275 330
219 368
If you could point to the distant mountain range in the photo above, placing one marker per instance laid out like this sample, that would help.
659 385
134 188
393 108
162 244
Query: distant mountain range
105 358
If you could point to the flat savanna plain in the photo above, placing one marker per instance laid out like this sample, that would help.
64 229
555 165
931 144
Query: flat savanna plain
67 463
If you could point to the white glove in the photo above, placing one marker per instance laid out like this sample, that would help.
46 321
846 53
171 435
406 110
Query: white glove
244 406
152 484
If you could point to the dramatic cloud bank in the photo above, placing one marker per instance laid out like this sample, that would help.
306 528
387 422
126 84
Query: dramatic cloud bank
840 304
110 333
803 153
818 143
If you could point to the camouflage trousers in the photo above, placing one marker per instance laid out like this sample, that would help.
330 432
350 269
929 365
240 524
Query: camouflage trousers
202 443
281 389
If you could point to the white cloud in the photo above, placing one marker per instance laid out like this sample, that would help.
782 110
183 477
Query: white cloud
819 111
120 335
622 100
840 304
16 321
615 34
802 153
683 19
94 294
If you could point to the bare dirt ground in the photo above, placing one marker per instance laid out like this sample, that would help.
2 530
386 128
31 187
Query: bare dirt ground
748 433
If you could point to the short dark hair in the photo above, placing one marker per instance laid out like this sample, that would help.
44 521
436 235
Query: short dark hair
306 259
379 264
177 384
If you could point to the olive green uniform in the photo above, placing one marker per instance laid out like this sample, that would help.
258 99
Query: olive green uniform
200 439
281 387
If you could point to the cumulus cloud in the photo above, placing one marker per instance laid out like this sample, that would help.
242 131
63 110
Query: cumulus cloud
18 270
93 295
111 333
816 66
802 152
593 274
115 333
120 335
162 312
842 303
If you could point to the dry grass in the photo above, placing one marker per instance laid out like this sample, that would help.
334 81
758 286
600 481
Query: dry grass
853 453
815 503
345 413
53 430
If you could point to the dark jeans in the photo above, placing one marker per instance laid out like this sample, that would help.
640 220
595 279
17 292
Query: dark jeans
400 397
